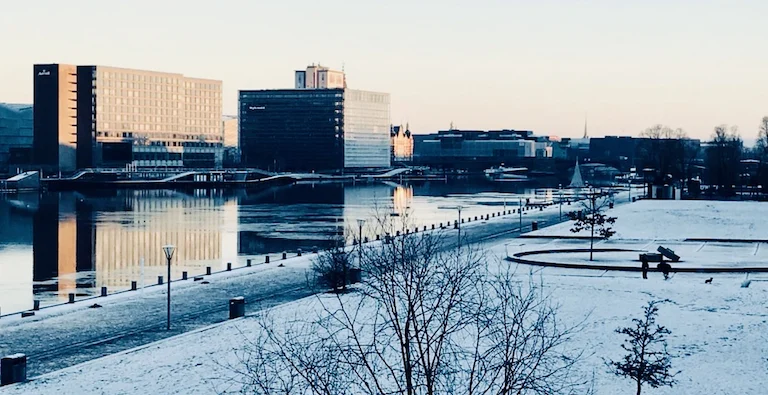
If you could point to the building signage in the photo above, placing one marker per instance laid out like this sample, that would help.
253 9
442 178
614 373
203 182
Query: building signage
257 108
43 72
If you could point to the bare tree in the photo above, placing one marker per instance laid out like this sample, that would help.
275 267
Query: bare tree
669 152
761 151
723 159
592 218
429 318
647 360
332 266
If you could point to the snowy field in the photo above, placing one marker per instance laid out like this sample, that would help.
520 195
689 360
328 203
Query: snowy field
694 254
719 330
680 220
719 335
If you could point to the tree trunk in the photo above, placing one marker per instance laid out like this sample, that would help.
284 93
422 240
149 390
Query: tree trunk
639 386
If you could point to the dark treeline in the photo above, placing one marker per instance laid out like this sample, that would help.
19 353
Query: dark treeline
721 165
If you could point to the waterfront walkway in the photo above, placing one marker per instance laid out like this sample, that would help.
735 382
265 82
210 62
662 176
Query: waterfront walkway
66 335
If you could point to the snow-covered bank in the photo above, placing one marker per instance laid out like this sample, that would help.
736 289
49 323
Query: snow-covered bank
718 333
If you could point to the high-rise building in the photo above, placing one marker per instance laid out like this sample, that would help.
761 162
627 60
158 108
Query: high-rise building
97 116
15 135
320 77
314 129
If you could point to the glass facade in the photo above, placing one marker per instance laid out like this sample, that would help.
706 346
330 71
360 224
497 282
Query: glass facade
314 130
366 129
15 135
292 130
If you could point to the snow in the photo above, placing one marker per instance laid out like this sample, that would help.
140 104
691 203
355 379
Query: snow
718 334
719 330
680 219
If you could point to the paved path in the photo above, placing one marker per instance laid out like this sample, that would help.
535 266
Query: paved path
67 335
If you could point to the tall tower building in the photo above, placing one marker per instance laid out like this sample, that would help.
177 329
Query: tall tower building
55 117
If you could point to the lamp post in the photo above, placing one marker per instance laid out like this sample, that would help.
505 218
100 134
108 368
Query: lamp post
458 223
168 250
520 211
560 192
360 223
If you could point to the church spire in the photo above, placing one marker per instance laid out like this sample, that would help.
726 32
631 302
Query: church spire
585 127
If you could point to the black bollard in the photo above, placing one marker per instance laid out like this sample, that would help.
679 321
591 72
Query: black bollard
229 266
159 280
378 237
298 253
133 285
71 298
184 275
36 305
103 291
397 233
433 226
249 262
208 270
266 259
365 240
285 255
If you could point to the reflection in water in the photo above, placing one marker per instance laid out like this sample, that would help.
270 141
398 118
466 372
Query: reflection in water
52 244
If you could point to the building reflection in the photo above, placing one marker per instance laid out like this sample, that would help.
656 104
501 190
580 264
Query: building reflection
106 237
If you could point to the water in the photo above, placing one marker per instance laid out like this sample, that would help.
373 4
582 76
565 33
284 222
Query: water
53 244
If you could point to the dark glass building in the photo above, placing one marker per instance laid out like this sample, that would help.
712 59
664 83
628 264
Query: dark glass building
314 129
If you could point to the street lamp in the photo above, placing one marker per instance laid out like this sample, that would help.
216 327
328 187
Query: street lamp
360 223
560 192
458 223
168 250
520 210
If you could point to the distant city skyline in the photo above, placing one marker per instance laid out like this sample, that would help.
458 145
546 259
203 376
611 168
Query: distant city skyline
541 66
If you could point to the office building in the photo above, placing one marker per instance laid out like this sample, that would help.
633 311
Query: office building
314 129
15 136
401 144
97 116
320 77
475 149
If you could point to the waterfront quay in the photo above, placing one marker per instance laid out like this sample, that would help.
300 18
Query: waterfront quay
70 333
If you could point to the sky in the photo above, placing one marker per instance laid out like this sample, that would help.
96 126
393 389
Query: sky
540 65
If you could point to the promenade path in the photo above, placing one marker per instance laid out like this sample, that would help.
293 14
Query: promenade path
66 335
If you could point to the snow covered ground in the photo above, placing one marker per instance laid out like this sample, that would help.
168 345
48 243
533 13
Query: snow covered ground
719 334
681 219
719 330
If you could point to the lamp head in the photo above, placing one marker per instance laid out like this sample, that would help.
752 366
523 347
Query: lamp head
168 250
360 222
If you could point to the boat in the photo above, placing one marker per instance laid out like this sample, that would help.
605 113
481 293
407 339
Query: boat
502 173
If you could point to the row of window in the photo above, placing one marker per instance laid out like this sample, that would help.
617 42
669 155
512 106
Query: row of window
156 79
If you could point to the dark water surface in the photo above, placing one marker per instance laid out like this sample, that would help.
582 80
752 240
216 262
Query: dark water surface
53 244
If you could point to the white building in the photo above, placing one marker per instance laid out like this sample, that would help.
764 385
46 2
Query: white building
320 77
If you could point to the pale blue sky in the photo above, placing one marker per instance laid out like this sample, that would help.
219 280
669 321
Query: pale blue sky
539 65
